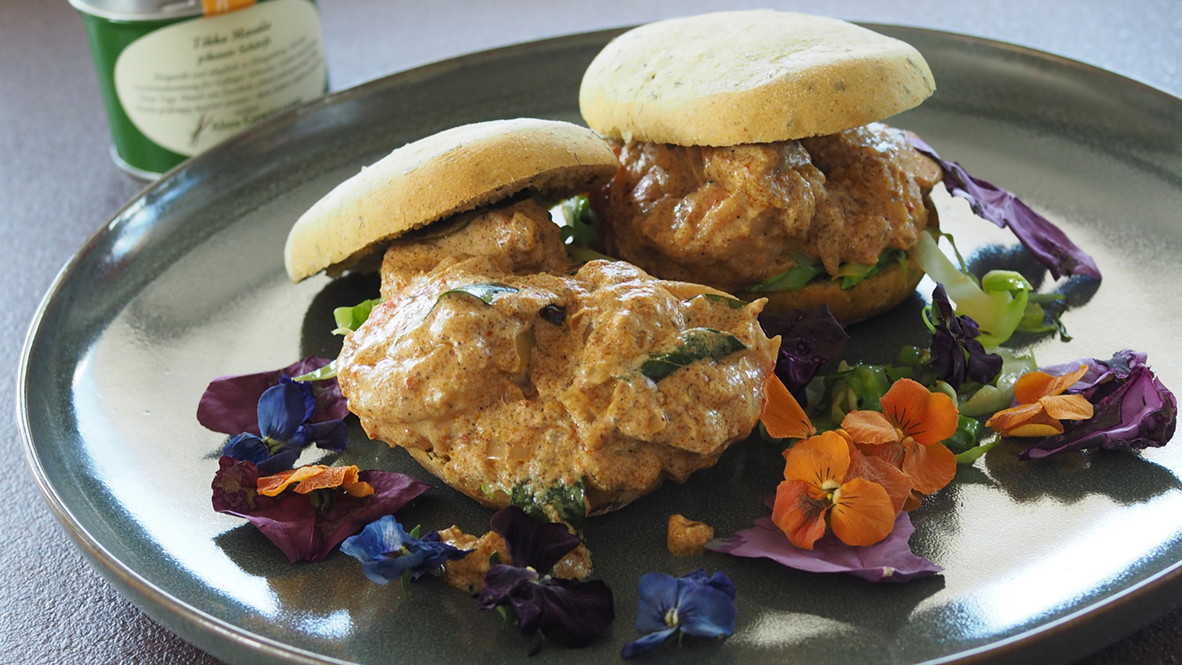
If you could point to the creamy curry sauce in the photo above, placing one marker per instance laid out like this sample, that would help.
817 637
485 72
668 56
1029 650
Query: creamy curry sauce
508 370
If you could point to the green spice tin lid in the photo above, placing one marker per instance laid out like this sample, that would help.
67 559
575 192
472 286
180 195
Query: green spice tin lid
138 10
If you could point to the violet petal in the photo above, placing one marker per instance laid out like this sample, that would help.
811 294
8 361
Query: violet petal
646 643
888 561
502 581
1047 242
229 403
809 338
283 408
575 612
387 552
533 543
956 353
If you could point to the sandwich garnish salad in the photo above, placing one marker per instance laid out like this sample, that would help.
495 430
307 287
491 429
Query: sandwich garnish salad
736 203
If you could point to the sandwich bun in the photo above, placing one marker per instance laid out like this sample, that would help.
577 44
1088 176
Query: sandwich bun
447 173
753 76
726 80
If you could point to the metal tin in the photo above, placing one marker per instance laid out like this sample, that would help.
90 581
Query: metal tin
175 81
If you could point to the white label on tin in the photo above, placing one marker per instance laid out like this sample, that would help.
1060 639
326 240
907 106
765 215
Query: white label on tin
190 85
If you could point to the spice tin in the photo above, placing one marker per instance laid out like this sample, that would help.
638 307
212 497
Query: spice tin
179 76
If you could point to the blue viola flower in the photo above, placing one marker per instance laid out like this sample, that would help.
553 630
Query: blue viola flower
386 551
569 613
694 604
284 412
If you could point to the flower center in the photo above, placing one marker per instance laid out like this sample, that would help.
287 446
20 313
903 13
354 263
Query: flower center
832 490
671 618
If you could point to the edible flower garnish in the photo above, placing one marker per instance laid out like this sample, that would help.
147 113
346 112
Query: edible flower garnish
889 560
228 403
997 303
1042 406
284 413
819 490
1037 234
781 415
957 354
308 526
312 477
570 613
1132 408
809 338
387 552
693 604
909 432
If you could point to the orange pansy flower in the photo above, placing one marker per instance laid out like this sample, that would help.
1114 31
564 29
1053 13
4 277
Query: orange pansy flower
909 433
1042 406
781 414
817 485
312 477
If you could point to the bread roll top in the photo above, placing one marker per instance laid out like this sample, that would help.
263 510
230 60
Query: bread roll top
447 173
754 76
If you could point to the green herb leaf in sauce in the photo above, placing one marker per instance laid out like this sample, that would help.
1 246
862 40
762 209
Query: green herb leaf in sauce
733 303
485 293
559 503
693 345
328 371
349 319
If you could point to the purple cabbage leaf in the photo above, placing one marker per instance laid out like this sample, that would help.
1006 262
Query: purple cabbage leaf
890 560
1132 409
1047 242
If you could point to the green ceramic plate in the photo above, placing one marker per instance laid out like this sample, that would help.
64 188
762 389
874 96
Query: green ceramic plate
1043 561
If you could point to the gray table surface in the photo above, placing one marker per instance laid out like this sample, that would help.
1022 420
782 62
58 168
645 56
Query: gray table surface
58 186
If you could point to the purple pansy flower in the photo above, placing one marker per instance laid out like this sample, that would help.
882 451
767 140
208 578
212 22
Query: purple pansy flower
302 527
386 551
570 613
283 413
694 604
956 353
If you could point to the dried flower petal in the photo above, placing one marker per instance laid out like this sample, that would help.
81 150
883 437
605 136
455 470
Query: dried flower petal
312 477
293 522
